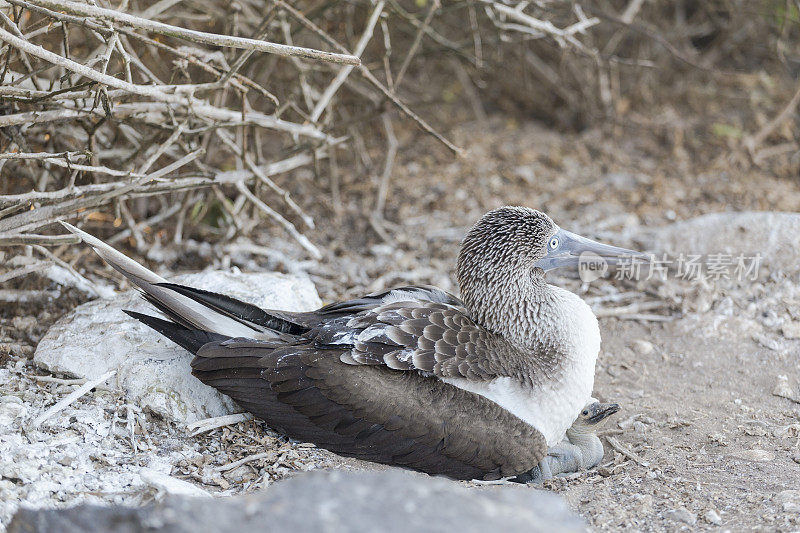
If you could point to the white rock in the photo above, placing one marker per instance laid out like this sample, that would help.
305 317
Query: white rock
784 390
682 514
154 372
713 517
11 409
788 496
791 330
642 346
755 455
775 236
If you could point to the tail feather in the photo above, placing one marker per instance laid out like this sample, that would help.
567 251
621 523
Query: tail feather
237 309
184 310
189 339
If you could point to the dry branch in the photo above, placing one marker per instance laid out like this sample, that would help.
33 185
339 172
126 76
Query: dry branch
86 10
337 82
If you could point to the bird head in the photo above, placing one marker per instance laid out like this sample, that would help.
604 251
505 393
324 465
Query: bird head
514 238
592 417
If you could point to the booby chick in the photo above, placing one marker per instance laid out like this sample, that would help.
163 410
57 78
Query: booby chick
476 388
581 448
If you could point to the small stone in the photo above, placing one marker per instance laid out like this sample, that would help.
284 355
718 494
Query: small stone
791 330
766 342
791 507
642 346
790 495
755 455
718 439
683 515
66 460
10 411
712 517
784 390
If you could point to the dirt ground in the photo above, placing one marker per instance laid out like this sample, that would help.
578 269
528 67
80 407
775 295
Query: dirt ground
702 441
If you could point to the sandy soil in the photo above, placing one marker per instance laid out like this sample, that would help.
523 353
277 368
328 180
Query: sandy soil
704 442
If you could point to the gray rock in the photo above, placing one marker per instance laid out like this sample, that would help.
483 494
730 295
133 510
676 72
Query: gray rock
682 514
713 517
387 501
775 236
155 373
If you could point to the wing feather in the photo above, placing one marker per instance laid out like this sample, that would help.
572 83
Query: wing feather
427 336
370 411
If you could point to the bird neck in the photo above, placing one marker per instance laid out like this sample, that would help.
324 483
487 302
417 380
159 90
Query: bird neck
508 304
589 443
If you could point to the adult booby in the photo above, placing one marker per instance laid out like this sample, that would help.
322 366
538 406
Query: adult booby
476 388
581 448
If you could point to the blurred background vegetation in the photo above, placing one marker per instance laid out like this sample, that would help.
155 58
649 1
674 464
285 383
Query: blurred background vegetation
230 141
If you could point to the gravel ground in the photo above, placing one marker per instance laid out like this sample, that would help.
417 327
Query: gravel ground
701 442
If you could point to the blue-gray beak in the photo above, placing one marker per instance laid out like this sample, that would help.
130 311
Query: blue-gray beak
566 249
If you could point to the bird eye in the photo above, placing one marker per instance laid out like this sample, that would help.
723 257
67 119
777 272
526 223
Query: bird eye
585 413
554 243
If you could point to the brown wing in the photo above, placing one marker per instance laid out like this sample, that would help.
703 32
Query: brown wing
431 337
371 412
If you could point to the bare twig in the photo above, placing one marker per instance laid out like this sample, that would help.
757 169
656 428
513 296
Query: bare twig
87 10
71 397
614 443
245 460
337 82
435 5
210 424
288 226
23 271
372 79
752 142
45 240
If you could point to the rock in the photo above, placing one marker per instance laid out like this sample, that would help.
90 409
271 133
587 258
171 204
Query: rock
642 346
789 500
155 373
791 495
683 515
11 409
755 455
791 330
775 236
390 501
784 390
712 517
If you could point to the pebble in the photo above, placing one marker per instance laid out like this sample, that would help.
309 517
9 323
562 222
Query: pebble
791 330
788 496
756 455
683 515
642 346
766 342
712 517
783 389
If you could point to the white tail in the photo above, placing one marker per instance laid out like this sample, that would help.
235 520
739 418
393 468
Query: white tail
193 313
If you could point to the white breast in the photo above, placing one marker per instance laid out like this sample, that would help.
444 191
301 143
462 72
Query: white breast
554 404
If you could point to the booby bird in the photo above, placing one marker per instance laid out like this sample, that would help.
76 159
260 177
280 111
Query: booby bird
470 388
581 448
